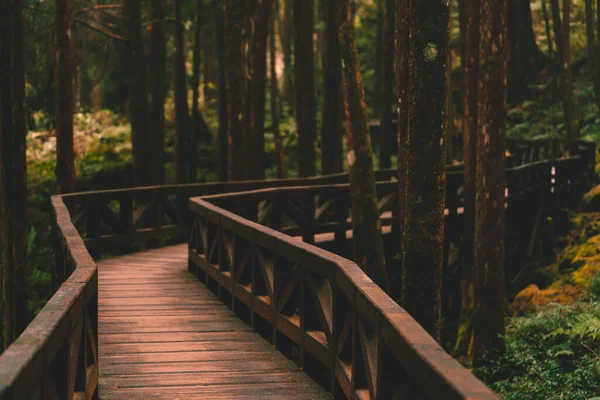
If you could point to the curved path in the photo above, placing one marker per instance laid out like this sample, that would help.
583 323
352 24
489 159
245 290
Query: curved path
163 334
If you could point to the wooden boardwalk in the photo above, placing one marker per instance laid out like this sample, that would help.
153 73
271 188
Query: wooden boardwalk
163 334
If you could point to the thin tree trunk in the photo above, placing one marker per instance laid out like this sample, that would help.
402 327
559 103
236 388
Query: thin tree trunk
557 25
279 157
488 318
223 166
470 129
378 78
306 102
426 176
185 145
367 240
569 106
387 92
589 27
402 80
200 130
235 12
286 29
65 153
331 128
138 93
548 28
258 87
158 90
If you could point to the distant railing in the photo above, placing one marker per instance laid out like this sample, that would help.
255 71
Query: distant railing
57 355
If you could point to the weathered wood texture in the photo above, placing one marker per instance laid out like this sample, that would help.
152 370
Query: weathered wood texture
163 334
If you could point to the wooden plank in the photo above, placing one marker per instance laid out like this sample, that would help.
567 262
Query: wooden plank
162 334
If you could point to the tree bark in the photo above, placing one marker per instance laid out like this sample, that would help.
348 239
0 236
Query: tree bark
223 166
306 101
258 87
378 78
138 92
488 318
185 143
387 92
65 152
235 12
200 131
402 80
14 313
470 129
426 176
286 29
158 90
367 240
279 157
331 127
569 106
548 28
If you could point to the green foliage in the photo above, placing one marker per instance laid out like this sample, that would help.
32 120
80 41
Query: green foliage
549 355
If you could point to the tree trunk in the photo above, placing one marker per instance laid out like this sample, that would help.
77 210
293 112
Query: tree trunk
200 131
258 87
525 57
14 313
426 174
387 92
286 29
470 127
279 157
548 28
589 27
138 94
235 12
158 90
488 318
65 153
378 78
185 143
557 25
223 166
331 128
402 80
367 240
306 101
569 106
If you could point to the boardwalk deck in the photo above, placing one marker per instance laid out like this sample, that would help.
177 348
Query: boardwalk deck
162 334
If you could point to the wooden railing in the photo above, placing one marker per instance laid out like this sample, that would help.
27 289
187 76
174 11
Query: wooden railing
56 356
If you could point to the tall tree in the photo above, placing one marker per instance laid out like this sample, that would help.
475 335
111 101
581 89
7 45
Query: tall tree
223 166
331 127
488 317
378 80
262 12
548 28
569 107
185 143
402 79
425 189
286 30
65 153
138 92
200 131
304 72
235 14
274 98
14 313
367 240
158 90
387 92
470 131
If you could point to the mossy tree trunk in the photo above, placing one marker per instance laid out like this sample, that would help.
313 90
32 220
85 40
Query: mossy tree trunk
332 126
425 172
63 70
235 15
158 90
402 79
14 313
138 91
488 316
470 129
262 12
306 100
274 86
367 240
387 92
